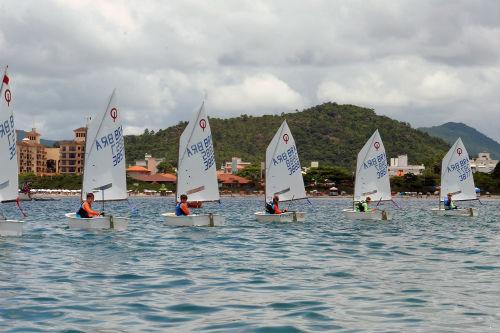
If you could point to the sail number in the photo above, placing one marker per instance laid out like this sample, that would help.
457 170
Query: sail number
462 167
380 164
115 141
7 129
206 149
291 158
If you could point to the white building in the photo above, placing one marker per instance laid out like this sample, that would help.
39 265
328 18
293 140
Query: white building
235 165
483 163
399 167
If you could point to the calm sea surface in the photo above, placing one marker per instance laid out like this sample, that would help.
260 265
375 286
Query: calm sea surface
417 273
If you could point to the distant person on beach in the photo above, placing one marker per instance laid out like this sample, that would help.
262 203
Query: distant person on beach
362 206
274 207
182 207
449 203
85 210
27 189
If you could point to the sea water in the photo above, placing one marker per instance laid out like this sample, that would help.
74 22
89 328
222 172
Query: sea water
417 273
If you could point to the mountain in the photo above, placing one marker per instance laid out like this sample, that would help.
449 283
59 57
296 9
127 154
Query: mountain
329 133
475 141
47 143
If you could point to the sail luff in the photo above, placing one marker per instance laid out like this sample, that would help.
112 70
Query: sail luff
456 174
105 155
8 138
196 170
283 170
372 179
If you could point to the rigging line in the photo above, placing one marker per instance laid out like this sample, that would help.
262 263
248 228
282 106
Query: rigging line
18 203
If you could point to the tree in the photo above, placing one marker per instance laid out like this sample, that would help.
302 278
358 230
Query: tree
251 172
165 167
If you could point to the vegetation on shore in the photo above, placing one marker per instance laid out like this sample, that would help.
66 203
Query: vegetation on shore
329 133
317 178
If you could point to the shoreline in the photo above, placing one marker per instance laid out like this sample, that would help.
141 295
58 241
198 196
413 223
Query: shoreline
492 197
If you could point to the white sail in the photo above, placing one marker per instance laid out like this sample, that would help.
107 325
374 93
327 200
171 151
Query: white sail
105 155
456 174
283 171
196 170
372 178
9 182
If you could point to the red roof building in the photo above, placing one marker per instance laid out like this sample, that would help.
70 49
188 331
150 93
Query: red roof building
154 178
230 180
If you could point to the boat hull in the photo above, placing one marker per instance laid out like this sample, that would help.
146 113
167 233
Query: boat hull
97 223
464 212
11 228
195 220
284 217
375 215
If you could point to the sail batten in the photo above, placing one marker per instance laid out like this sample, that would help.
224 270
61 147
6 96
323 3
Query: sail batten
8 138
372 177
196 170
283 170
104 170
456 174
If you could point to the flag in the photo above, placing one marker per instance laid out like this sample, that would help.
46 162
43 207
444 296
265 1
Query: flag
5 79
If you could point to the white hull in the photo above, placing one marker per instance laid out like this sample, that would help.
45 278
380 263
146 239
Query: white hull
284 217
97 223
195 220
467 212
11 228
377 215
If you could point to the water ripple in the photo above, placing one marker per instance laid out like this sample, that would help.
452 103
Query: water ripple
416 273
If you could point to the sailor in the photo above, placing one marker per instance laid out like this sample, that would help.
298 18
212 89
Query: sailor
85 210
449 203
362 206
276 209
182 207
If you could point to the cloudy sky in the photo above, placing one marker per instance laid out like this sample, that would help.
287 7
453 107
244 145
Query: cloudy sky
423 62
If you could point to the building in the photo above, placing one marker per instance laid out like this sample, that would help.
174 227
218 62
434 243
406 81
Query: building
72 153
399 167
159 178
150 163
231 182
136 170
235 165
483 163
31 154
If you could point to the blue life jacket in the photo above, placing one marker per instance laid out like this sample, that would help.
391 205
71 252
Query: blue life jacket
449 204
270 208
178 210
82 213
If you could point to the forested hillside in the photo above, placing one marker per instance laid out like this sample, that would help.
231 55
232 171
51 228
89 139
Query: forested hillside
475 141
329 133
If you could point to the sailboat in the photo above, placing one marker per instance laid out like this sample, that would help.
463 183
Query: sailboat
372 180
9 182
196 172
283 176
104 169
457 179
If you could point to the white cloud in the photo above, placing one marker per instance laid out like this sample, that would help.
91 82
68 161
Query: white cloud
417 61
256 94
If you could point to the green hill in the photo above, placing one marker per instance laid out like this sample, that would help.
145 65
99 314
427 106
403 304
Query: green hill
475 141
329 133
